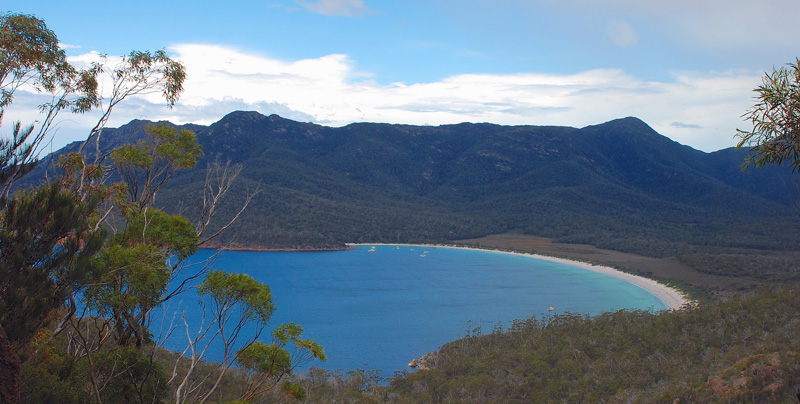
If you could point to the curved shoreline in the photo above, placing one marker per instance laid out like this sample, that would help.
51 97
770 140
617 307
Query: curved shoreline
671 297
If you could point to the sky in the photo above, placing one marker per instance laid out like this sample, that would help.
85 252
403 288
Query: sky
686 67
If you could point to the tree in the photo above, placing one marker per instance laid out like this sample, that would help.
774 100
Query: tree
51 235
265 365
138 73
136 266
107 245
46 255
775 137
31 56
46 249
146 166
239 304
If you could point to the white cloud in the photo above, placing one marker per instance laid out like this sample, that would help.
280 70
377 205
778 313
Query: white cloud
67 46
621 33
701 110
330 91
348 8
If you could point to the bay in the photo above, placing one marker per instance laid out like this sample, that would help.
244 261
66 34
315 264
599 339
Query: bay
378 310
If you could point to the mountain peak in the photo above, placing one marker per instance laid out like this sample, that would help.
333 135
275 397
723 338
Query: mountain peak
243 115
627 124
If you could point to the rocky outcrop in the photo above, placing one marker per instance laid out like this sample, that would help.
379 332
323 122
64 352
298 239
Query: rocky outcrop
426 362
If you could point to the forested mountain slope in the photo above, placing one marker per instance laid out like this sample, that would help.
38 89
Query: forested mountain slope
617 185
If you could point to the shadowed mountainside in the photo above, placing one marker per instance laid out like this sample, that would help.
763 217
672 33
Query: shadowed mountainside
618 185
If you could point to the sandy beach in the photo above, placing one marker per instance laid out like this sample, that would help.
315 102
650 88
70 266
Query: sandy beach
672 298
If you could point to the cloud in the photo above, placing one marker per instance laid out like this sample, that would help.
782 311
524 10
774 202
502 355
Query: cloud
347 8
684 125
329 90
621 33
68 46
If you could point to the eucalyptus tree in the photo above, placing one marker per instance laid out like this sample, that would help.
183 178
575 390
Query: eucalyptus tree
95 258
775 116
50 236
238 309
30 56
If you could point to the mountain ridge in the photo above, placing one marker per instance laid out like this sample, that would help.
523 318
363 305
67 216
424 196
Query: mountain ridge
617 185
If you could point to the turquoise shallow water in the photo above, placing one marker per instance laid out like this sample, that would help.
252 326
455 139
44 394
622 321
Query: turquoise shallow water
381 309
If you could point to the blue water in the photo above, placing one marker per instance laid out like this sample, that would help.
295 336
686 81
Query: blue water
381 309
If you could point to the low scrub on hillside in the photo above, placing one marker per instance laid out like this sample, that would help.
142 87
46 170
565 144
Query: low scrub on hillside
740 350
744 349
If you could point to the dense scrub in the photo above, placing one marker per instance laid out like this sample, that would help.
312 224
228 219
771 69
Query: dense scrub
740 350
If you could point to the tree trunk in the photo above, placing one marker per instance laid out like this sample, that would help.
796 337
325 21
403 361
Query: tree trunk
9 371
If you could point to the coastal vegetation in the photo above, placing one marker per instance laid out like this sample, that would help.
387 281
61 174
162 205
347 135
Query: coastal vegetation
86 258
741 350
87 254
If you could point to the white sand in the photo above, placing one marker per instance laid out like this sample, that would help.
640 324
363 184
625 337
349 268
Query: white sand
672 298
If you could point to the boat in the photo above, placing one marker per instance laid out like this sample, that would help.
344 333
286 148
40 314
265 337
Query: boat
422 255
372 249
551 308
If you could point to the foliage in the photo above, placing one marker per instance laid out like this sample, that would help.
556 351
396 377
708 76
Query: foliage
30 55
47 245
128 376
125 374
342 386
625 356
227 290
146 166
50 376
265 365
53 249
260 357
239 303
138 73
16 155
775 138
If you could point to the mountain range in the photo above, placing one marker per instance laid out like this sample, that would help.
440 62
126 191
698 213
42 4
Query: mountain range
618 185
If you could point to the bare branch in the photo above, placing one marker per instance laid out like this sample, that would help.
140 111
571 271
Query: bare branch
219 181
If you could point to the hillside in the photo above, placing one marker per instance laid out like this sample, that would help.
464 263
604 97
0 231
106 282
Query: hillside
738 351
618 185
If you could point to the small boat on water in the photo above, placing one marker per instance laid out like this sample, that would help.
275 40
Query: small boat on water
422 255
397 247
551 308
372 249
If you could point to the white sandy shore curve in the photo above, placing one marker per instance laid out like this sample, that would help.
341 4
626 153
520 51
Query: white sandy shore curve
671 297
